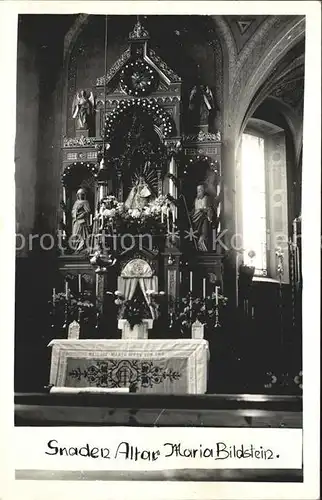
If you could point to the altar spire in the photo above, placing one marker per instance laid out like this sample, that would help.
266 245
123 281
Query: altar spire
139 32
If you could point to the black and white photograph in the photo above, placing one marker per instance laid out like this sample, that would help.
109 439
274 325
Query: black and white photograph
158 232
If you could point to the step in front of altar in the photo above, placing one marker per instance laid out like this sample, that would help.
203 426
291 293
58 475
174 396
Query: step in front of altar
166 366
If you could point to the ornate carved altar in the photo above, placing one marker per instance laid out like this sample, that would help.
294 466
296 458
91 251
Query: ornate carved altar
141 202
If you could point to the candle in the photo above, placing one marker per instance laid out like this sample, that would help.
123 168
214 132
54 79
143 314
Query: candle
80 283
66 290
101 191
54 296
171 183
96 285
161 216
168 220
216 292
180 277
64 201
173 218
204 288
190 281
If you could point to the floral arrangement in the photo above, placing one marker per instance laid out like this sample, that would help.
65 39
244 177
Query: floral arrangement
116 216
190 309
65 310
133 310
283 380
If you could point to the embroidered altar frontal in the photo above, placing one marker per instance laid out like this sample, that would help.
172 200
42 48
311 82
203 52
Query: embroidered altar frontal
177 366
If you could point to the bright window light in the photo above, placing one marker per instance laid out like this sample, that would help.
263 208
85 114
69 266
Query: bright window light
254 203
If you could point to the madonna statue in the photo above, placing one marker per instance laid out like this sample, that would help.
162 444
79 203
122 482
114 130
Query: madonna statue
140 194
81 221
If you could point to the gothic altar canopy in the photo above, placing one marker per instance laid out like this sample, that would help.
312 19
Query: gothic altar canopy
141 205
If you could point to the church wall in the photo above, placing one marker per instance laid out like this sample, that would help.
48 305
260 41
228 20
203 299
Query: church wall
37 183
50 123
26 150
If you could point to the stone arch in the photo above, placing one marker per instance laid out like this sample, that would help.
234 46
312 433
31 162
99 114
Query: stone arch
73 33
229 57
293 122
292 34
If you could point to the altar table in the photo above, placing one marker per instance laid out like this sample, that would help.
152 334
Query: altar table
167 366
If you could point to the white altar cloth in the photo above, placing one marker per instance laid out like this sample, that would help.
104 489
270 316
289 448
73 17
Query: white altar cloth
171 366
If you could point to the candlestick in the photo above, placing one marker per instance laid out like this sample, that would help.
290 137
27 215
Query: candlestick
66 305
190 281
54 308
217 323
80 283
204 288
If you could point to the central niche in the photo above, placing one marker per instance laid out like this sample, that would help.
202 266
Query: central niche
136 150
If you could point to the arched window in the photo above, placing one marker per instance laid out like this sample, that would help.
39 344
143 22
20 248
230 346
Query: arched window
264 204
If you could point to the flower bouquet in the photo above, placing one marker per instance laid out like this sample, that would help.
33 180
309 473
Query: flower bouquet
134 310
190 309
73 308
150 219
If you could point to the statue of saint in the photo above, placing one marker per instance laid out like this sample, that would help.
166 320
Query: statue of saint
201 217
140 194
81 221
82 109
201 103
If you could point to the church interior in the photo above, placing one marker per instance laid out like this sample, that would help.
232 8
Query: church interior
158 217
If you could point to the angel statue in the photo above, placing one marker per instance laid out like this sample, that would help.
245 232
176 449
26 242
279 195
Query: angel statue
201 104
82 109
81 221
